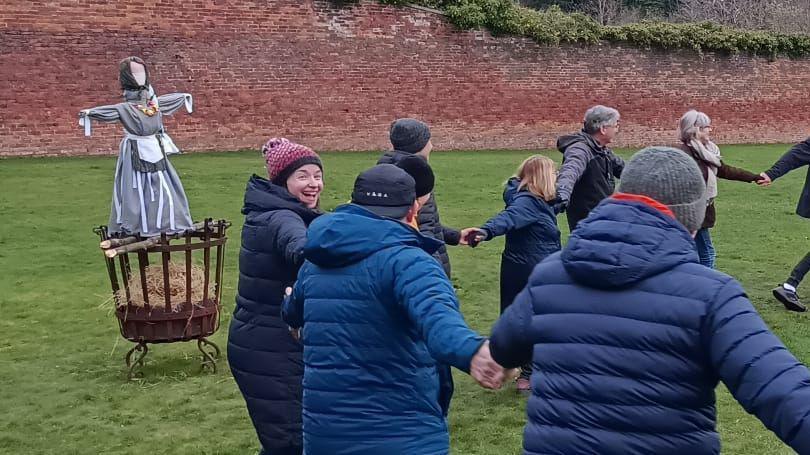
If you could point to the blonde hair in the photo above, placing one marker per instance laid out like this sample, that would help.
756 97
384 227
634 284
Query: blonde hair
690 123
538 175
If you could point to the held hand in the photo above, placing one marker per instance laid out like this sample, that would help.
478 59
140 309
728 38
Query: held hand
559 205
486 371
511 375
764 180
472 237
295 333
464 234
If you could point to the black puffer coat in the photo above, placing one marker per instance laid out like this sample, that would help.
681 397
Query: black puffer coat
265 360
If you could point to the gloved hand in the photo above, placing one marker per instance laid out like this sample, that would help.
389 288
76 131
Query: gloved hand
559 205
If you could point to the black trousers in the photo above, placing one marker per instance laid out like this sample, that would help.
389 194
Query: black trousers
799 271
514 277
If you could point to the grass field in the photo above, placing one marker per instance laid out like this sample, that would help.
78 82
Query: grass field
62 383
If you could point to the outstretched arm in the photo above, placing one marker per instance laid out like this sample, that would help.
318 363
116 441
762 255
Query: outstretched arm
574 164
511 344
424 292
797 156
735 173
291 238
759 371
519 214
171 102
106 114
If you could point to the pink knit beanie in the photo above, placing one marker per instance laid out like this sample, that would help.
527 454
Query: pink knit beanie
283 157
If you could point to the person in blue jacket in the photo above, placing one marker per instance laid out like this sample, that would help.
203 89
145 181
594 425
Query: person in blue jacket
530 226
629 334
379 315
265 360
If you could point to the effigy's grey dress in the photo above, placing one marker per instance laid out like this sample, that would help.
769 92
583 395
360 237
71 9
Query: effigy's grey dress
148 197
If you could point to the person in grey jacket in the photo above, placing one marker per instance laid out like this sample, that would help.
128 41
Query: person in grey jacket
589 170
412 137
798 156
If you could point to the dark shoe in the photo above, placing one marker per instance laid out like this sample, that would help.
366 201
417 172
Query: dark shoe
789 299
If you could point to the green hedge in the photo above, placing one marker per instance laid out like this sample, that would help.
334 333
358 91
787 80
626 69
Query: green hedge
553 26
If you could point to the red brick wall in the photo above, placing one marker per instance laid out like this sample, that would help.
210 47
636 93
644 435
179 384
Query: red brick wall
335 78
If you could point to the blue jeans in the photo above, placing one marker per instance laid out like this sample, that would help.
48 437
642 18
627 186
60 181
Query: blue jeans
705 248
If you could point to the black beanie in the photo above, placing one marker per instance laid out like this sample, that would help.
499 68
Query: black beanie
409 135
418 168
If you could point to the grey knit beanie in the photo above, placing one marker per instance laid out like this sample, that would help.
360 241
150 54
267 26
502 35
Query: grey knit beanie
409 135
670 177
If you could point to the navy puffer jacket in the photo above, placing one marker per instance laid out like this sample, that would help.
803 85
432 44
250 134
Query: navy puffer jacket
265 360
529 224
378 315
629 337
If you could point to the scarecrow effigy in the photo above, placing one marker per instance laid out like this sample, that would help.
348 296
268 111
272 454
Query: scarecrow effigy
170 300
148 198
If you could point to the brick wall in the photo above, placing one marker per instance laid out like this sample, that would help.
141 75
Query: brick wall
335 78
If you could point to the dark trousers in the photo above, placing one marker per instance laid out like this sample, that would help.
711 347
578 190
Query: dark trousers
514 277
799 271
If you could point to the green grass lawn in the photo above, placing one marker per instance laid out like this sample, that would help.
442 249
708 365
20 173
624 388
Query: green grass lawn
62 382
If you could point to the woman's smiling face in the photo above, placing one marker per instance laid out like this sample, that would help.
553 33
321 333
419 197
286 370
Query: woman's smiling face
306 184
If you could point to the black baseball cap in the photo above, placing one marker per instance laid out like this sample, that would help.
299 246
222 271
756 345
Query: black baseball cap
385 190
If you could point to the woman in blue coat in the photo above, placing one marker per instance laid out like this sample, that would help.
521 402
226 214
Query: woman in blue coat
264 358
530 226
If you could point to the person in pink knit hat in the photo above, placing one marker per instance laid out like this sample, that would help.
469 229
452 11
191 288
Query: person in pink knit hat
265 359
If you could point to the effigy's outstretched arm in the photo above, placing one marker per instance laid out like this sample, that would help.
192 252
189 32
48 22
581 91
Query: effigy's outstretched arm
106 114
171 102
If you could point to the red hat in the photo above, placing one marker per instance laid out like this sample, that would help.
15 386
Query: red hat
283 157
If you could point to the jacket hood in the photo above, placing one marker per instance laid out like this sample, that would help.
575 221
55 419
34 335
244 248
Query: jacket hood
563 142
511 190
261 195
511 193
393 156
352 233
623 242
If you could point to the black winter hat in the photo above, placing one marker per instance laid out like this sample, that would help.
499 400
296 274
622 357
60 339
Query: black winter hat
418 168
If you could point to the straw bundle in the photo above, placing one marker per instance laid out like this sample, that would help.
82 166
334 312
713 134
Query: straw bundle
156 291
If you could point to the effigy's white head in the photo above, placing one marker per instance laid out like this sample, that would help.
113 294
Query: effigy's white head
138 72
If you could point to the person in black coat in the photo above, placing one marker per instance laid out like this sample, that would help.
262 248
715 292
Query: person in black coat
266 361
412 137
530 226
798 156
589 170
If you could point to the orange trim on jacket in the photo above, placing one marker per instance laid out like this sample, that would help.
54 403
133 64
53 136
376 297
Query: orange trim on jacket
644 200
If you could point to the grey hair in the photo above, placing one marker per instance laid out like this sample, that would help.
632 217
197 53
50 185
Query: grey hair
598 116
690 123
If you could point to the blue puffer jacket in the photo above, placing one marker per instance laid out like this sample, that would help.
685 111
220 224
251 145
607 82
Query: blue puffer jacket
529 224
265 360
378 313
630 335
